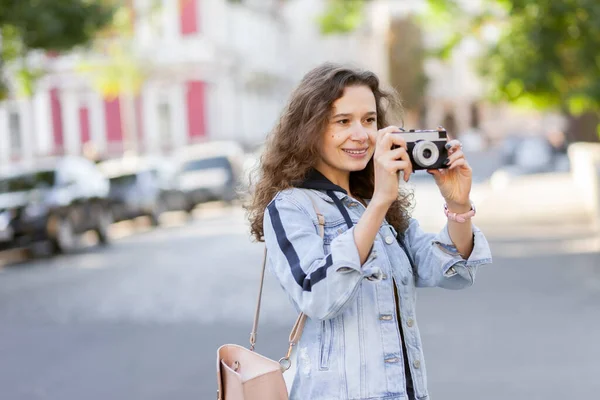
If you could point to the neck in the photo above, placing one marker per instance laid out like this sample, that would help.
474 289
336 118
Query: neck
337 177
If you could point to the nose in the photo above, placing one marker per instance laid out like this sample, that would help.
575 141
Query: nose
359 133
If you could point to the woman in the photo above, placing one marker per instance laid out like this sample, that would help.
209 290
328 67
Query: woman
333 148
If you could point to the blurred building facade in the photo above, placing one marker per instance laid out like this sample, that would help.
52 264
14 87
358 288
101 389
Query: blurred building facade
221 69
455 95
214 69
209 67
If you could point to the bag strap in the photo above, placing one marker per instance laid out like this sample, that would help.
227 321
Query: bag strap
296 332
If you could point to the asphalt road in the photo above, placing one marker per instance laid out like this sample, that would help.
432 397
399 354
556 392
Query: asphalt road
142 318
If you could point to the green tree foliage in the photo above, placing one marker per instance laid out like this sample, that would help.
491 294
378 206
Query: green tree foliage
27 25
546 53
341 16
537 54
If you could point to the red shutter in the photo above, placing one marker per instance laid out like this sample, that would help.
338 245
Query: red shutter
188 16
57 125
112 114
195 109
84 124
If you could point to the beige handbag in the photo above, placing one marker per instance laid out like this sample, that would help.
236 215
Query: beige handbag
243 374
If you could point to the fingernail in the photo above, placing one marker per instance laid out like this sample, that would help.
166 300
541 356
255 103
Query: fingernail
446 161
448 145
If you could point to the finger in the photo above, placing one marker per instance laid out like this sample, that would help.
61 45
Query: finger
454 156
453 145
403 166
399 153
394 128
389 129
391 138
395 166
461 162
398 140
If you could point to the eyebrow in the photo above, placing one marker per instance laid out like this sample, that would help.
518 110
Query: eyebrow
369 114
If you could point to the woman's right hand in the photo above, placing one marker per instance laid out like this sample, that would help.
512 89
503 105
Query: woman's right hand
388 163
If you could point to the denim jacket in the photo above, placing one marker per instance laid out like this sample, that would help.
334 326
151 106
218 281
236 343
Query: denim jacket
351 346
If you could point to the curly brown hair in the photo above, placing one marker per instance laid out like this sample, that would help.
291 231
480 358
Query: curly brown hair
292 148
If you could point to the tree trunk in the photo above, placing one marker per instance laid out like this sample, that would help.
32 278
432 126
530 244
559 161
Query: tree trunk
583 128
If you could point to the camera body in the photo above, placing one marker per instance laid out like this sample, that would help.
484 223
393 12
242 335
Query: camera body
426 148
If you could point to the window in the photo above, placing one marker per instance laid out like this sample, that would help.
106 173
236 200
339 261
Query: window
123 181
14 128
207 163
27 182
164 125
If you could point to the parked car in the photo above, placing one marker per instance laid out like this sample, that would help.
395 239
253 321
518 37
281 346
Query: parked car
142 186
54 201
528 155
210 171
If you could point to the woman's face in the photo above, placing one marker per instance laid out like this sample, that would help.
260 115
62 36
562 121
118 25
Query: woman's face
346 143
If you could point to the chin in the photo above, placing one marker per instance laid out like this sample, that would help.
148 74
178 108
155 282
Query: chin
356 166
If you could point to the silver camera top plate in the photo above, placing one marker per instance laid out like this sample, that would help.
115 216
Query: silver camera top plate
430 135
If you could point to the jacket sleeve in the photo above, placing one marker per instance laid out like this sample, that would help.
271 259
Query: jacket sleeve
320 284
438 262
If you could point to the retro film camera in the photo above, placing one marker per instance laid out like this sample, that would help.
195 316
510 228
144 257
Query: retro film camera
426 148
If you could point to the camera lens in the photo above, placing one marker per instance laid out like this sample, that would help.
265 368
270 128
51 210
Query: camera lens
425 153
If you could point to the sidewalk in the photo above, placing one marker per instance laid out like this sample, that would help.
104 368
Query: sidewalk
547 201
539 199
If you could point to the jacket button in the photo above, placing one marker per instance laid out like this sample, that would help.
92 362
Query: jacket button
404 280
410 322
389 239
385 317
417 364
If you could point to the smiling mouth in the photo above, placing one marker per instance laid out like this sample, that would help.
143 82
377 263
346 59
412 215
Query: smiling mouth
357 152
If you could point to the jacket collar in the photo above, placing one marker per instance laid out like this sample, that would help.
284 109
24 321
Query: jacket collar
317 181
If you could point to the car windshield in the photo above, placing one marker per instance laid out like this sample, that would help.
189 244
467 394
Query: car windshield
27 182
123 180
206 163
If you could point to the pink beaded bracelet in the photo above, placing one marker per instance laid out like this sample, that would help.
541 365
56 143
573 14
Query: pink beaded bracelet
461 218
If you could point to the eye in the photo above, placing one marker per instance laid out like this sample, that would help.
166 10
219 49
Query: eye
371 120
343 121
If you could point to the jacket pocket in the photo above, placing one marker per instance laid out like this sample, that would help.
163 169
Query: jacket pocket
333 230
326 345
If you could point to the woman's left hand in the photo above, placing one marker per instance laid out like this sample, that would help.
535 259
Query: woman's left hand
455 181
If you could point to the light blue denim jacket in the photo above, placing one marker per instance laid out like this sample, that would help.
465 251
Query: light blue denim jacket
351 345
